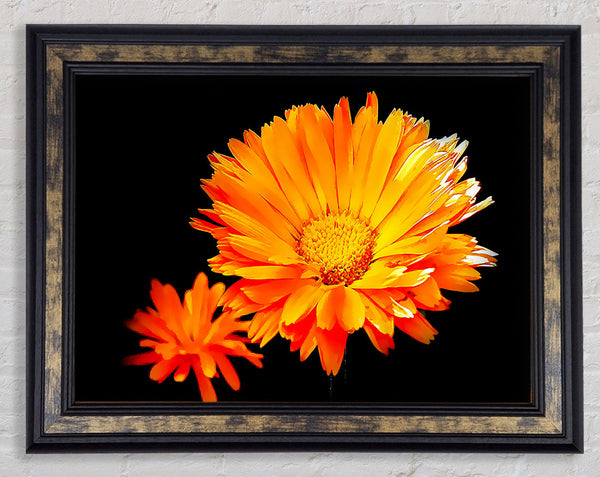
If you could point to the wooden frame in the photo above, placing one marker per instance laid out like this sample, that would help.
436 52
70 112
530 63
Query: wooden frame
551 421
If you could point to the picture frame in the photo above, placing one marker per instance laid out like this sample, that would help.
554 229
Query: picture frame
90 172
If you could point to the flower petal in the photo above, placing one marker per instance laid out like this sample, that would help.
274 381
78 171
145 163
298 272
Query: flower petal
378 318
335 225
417 327
342 138
281 146
186 335
207 391
270 291
301 302
161 370
262 180
318 155
228 371
341 306
331 344
381 275
149 357
427 295
182 372
382 341
260 272
383 153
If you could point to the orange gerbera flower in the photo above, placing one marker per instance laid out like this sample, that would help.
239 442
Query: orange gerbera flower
183 336
336 225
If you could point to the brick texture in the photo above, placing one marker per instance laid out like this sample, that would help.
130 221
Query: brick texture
14 14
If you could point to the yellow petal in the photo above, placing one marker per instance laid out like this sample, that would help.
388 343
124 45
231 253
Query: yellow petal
281 144
377 317
207 364
318 154
301 302
383 153
275 251
182 372
260 272
343 306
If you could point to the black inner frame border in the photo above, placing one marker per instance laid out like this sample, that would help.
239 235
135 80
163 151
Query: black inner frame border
535 407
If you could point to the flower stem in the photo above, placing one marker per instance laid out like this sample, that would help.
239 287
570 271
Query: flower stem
331 387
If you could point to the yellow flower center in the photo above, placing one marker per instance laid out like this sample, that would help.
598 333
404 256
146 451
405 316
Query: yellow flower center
340 243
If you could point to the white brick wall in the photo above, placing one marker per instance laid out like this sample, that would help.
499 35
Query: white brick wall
14 14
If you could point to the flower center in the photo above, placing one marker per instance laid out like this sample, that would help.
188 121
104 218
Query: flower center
340 243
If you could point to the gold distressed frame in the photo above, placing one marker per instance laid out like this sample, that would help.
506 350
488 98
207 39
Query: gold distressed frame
56 423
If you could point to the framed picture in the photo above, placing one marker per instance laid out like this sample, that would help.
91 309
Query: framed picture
270 238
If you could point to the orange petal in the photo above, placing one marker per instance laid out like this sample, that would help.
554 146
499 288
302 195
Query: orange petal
341 305
286 150
205 226
326 126
383 342
228 371
455 283
270 291
150 325
169 307
373 102
245 224
262 180
473 210
148 344
182 372
309 343
393 302
396 212
207 364
428 296
274 251
261 272
194 299
242 194
383 153
265 325
161 370
318 155
417 327
301 302
286 182
254 141
331 344
234 299
297 332
362 159
416 135
195 302
380 275
414 245
343 153
207 391
143 358
212 215
378 318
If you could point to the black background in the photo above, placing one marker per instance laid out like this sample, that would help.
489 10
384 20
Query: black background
141 146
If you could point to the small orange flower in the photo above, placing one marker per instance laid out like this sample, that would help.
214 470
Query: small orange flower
184 336
337 225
